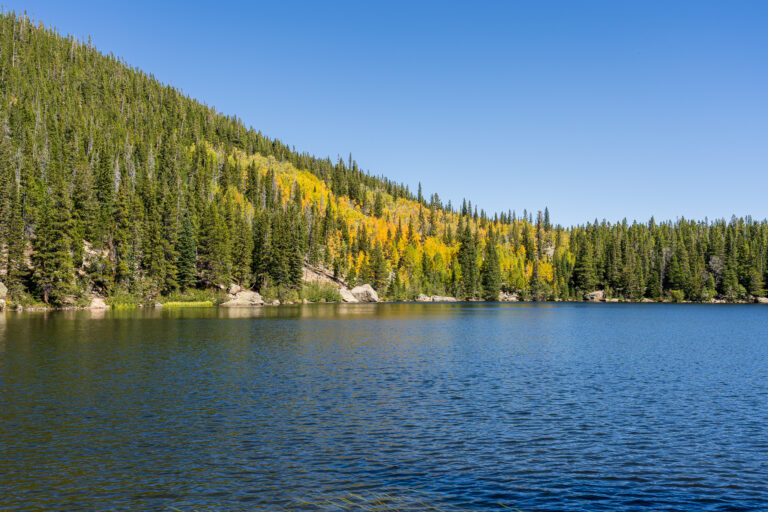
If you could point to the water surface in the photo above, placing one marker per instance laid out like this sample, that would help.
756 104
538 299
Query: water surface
456 406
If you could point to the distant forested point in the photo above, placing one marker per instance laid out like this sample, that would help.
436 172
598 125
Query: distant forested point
116 185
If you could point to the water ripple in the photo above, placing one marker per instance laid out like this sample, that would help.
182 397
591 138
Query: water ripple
389 407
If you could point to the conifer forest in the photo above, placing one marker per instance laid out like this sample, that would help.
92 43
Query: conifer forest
116 185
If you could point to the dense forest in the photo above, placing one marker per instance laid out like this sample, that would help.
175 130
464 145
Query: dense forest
116 185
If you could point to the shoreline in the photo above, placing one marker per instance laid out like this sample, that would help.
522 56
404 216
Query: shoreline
195 305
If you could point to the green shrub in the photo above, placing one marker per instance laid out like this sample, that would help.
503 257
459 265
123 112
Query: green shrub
194 296
316 291
123 298
677 295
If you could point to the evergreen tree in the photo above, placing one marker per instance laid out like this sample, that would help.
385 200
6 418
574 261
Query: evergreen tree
261 250
54 273
467 258
378 205
15 265
378 268
584 275
187 249
213 249
491 270
242 250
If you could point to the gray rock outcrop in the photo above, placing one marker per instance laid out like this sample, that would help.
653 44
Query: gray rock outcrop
98 303
3 290
440 298
346 295
365 293
321 275
244 298
508 297
762 300
596 296
423 298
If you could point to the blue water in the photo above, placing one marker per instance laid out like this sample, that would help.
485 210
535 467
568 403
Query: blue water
387 407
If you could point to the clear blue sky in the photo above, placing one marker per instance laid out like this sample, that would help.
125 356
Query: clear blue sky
596 109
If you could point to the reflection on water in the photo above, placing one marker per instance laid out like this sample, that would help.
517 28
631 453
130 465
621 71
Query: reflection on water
386 407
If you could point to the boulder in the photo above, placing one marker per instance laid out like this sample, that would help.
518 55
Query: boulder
612 300
244 298
304 301
346 295
234 289
423 298
3 290
440 298
98 303
762 300
596 296
275 302
508 297
2 304
365 293
158 304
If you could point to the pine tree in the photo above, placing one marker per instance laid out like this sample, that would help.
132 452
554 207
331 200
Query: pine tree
213 249
261 250
187 249
491 270
584 274
17 241
242 250
378 205
378 268
52 259
467 258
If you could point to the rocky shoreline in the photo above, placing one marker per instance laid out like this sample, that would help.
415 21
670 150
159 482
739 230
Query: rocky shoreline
433 300
239 297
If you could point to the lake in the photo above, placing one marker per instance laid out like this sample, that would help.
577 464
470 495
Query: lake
477 406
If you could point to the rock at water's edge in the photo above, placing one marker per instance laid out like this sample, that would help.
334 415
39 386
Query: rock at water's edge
346 295
423 298
3 290
244 298
98 303
440 298
508 297
596 296
365 293
761 300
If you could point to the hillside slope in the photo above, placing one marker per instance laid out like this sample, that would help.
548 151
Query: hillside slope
115 184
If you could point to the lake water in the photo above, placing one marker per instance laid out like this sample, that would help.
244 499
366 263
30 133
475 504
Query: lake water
387 407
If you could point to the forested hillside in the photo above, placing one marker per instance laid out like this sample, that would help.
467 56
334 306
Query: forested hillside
112 183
